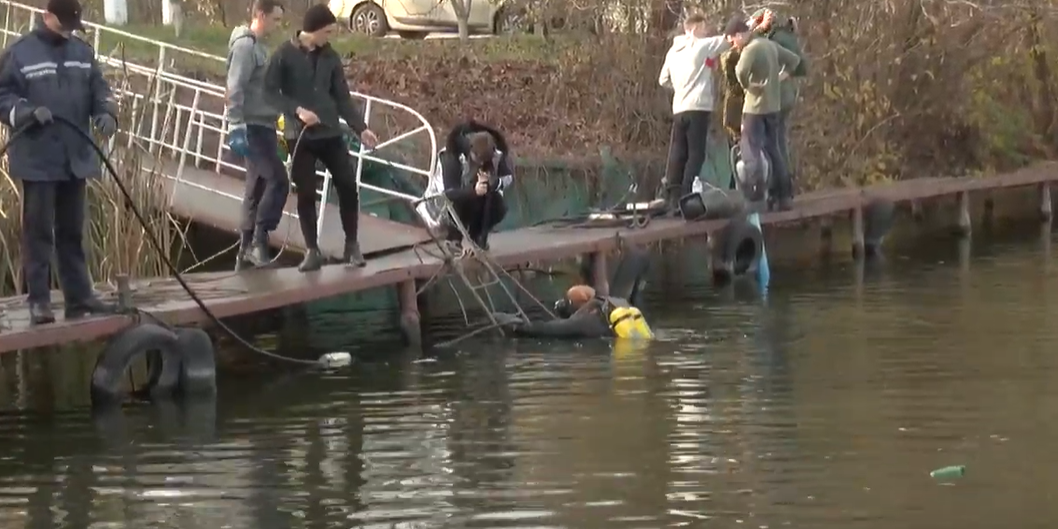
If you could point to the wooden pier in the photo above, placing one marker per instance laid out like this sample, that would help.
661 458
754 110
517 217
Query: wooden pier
230 294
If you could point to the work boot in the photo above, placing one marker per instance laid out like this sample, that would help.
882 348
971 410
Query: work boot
784 204
352 254
242 259
89 307
40 314
672 198
260 254
313 261
482 241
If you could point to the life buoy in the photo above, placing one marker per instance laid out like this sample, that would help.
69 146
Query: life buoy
735 250
198 364
123 349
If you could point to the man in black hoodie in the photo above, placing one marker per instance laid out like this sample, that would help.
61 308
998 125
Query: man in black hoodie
476 168
305 80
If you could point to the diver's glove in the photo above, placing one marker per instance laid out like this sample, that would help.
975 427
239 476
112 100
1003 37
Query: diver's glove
105 124
510 321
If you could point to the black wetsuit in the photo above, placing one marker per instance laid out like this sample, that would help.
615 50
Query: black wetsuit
479 214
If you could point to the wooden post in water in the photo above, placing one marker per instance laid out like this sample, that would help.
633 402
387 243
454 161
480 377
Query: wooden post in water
988 216
963 222
918 212
410 319
857 232
1046 206
826 236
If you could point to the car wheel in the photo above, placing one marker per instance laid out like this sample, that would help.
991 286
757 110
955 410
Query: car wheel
369 19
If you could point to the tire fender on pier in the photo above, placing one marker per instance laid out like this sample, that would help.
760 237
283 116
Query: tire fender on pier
198 364
735 250
145 339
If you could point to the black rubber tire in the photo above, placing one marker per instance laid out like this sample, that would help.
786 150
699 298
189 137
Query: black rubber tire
198 368
123 349
736 250
370 9
878 217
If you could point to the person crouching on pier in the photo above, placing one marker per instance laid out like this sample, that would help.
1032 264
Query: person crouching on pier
476 168
51 162
688 71
306 81
252 134
762 65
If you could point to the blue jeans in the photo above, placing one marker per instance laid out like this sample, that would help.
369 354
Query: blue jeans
266 181
760 137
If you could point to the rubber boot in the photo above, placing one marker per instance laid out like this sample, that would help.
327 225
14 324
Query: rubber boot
260 254
313 261
672 196
242 260
40 314
352 254
482 240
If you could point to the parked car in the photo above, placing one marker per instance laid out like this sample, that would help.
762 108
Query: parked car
414 19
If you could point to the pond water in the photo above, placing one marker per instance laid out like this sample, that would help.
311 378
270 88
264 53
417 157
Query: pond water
825 406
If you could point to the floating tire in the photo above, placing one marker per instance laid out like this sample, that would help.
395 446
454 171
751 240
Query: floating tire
878 217
736 250
123 349
198 363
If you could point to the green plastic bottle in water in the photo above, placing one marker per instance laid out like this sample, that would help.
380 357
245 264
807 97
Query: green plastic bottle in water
948 473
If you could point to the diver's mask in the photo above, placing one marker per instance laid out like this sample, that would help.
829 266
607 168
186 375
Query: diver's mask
563 308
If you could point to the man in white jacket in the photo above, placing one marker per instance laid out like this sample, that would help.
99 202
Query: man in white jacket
688 71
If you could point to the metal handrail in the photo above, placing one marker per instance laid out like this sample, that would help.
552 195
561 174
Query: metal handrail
196 117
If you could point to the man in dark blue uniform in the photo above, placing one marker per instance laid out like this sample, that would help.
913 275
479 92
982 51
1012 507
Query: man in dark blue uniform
48 73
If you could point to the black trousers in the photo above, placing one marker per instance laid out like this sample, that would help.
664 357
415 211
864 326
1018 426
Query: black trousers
478 214
266 181
335 157
53 222
690 131
760 136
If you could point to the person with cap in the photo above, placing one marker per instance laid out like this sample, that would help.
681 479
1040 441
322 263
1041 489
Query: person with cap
305 80
44 74
688 72
783 32
252 134
761 66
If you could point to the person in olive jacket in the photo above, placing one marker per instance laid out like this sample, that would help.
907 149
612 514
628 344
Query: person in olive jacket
45 74
306 82
783 32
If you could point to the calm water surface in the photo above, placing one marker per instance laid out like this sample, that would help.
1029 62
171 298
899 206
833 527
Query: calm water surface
824 407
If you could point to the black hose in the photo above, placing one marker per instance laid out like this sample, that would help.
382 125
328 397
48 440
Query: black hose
153 239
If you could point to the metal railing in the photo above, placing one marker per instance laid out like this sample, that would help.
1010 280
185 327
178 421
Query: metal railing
189 124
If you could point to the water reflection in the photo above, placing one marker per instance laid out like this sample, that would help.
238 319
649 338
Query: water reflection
824 406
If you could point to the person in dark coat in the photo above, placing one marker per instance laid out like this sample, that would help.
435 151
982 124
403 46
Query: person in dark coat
47 73
476 168
305 80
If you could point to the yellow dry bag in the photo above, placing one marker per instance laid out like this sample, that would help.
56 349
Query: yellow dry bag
628 322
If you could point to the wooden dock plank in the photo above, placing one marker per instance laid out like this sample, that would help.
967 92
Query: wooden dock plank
229 294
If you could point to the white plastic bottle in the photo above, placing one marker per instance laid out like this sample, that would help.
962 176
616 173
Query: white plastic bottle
696 186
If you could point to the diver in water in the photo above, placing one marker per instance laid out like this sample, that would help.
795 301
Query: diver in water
584 314
476 169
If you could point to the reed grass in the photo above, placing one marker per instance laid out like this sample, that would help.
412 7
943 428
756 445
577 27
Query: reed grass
115 242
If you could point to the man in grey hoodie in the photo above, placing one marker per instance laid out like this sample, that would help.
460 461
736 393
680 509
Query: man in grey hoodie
252 130
688 71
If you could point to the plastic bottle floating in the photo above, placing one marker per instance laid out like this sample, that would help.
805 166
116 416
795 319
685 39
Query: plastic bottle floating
948 473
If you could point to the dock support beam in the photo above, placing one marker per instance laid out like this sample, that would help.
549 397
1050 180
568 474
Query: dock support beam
826 236
1046 206
410 320
857 232
963 223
